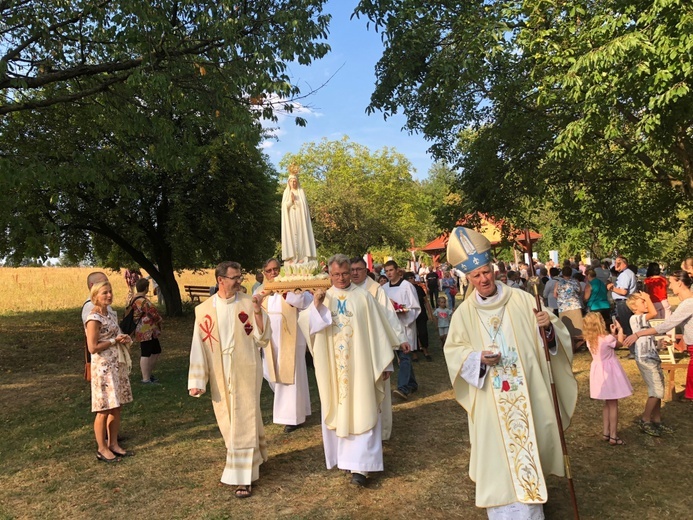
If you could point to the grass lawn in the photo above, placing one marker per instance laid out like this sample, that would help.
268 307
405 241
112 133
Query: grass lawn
48 467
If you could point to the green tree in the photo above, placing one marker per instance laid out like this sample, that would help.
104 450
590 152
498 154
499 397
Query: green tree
72 50
161 167
581 108
443 202
359 199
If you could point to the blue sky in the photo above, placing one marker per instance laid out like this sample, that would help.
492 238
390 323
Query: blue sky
339 108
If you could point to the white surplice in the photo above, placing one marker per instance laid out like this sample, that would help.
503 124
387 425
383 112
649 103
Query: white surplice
405 295
291 402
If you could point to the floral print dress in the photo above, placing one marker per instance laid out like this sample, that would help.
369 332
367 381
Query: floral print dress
568 295
148 320
110 382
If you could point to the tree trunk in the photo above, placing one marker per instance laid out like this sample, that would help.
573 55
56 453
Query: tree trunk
171 293
165 276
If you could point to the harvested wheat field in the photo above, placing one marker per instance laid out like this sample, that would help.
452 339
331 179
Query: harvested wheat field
49 469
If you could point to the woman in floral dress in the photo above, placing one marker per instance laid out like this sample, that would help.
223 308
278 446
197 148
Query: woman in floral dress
568 295
110 366
147 332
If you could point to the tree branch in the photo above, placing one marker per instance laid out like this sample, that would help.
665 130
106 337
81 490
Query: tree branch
13 53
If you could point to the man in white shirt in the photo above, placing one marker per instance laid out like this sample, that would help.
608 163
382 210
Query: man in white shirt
626 284
406 304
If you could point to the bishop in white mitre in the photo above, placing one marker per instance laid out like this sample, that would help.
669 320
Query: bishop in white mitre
498 369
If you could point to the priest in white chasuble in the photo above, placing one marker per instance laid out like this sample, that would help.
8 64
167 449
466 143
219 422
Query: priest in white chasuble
285 363
230 329
498 369
352 346
360 278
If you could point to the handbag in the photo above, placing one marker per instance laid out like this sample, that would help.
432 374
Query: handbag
128 324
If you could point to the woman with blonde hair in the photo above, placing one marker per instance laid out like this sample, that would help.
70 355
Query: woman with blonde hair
608 380
110 366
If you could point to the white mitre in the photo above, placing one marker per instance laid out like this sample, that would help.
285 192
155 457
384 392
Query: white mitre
468 249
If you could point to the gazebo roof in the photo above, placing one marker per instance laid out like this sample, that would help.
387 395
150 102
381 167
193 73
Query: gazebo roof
490 229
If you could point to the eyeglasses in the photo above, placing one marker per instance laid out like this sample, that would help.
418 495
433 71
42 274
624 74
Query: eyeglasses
340 275
233 278
357 269
272 270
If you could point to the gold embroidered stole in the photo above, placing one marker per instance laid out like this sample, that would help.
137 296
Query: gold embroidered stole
508 383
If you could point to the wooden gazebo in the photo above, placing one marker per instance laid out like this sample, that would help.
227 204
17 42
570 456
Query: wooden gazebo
492 230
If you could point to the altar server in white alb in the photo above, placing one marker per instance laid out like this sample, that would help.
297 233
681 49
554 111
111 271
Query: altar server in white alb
360 278
499 373
285 363
352 346
403 296
230 329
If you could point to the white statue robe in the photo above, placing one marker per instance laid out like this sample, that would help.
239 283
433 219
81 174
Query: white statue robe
377 292
516 393
405 294
298 243
352 345
225 353
286 367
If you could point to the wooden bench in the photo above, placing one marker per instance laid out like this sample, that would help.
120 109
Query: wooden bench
197 292
670 369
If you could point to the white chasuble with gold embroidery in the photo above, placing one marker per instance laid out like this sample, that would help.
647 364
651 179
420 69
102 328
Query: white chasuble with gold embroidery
514 408
512 426
351 343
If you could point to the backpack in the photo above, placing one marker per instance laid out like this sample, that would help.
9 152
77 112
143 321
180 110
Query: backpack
128 323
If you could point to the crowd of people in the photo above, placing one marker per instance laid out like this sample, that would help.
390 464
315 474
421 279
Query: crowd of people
487 319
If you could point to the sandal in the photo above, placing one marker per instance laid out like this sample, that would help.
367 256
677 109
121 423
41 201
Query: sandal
123 454
615 441
605 437
103 458
243 491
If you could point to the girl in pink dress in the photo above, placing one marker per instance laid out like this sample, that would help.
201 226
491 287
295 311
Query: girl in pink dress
608 380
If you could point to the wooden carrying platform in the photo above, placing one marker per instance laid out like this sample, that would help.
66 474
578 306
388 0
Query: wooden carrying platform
292 285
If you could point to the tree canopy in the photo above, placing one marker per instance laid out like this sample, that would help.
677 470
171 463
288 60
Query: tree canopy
579 108
360 200
157 162
56 52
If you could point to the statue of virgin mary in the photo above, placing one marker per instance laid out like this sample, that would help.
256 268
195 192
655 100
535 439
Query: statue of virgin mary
298 243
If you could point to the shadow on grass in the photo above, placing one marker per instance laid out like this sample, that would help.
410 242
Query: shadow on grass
49 469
